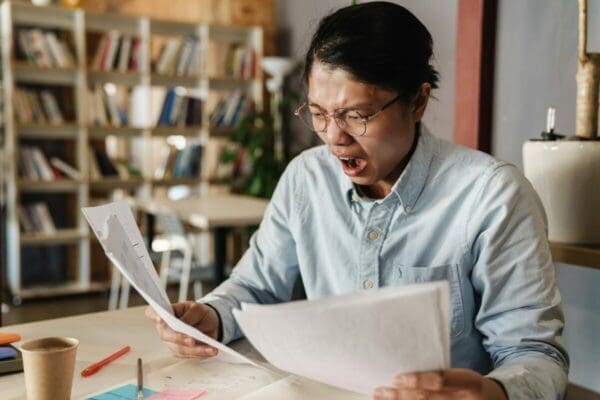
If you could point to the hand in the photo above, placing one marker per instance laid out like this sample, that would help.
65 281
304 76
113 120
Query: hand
201 317
452 384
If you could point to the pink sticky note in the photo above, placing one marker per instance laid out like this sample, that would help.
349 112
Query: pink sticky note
178 395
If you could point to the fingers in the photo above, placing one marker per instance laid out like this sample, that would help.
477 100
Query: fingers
183 345
180 344
424 380
433 385
385 393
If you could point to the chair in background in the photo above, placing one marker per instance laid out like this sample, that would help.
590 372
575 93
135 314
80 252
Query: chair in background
178 260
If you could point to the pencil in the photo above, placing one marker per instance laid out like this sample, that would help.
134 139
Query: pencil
140 380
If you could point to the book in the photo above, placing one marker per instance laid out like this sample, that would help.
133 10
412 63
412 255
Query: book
51 107
65 168
107 168
111 52
124 54
41 209
42 167
11 359
25 221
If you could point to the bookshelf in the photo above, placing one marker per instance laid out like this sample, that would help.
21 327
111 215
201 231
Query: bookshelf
103 111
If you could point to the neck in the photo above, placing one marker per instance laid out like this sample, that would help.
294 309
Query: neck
381 189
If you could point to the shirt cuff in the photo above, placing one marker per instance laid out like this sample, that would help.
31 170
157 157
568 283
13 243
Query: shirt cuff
528 378
228 330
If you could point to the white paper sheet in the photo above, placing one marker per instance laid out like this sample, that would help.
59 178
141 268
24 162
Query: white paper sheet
357 341
115 227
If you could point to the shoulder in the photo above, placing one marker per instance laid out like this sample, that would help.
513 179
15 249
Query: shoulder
456 162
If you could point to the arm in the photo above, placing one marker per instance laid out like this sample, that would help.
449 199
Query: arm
513 275
267 271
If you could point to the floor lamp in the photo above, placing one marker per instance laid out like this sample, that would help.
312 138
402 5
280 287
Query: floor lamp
277 68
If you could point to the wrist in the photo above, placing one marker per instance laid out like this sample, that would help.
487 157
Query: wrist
219 321
493 389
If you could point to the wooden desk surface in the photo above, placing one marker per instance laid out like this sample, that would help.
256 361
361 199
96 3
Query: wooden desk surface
103 333
212 211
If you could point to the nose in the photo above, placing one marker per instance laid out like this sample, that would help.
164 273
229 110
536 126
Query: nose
334 136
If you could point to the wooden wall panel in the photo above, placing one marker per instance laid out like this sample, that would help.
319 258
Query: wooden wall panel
475 44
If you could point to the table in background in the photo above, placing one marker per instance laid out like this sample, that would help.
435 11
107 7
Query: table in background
100 334
215 213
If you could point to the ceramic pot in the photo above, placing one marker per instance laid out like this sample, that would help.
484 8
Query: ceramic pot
566 175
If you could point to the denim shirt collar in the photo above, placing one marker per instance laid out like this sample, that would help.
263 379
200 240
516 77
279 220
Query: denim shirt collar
410 184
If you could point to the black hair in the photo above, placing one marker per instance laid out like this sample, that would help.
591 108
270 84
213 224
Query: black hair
379 43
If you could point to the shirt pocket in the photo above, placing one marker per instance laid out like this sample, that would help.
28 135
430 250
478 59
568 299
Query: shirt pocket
450 272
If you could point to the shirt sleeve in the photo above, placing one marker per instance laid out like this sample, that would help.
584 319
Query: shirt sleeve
520 315
267 271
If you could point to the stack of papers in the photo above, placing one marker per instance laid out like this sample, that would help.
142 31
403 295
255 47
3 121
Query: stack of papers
357 341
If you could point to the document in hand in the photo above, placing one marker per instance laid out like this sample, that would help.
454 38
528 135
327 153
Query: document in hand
120 237
357 341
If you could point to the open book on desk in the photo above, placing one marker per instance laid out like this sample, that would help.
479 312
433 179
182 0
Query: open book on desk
356 341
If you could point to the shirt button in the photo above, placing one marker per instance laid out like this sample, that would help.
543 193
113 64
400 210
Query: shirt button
368 284
355 197
407 209
373 235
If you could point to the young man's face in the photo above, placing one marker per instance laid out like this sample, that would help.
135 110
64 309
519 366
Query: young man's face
374 160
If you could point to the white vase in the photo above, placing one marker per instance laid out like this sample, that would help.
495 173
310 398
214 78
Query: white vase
566 175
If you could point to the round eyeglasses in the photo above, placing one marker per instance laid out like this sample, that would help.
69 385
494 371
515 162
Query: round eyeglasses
348 120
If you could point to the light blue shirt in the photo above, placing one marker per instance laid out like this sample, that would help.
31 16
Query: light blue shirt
454 214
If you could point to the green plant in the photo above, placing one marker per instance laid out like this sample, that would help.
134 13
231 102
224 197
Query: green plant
256 168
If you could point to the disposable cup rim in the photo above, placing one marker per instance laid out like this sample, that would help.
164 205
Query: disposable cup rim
26 346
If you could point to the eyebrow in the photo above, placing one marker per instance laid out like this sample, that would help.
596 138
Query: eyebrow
351 107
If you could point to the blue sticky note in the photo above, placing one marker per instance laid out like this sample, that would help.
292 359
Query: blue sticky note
127 392
7 352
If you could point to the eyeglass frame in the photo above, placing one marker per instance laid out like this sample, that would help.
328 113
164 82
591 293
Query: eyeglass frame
337 112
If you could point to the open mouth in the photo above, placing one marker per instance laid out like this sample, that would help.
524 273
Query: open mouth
352 166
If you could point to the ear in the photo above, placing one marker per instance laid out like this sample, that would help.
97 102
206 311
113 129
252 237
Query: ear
420 102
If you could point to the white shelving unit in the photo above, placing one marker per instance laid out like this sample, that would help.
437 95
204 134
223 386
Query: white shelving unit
134 142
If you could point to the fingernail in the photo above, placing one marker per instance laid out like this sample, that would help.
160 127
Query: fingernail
405 380
384 393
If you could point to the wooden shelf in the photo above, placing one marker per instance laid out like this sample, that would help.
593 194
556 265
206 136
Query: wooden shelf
61 236
230 83
68 288
45 131
173 80
59 185
116 183
585 256
118 78
101 132
25 72
191 131
176 181
221 131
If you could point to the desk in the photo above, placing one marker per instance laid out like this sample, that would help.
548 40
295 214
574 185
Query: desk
217 213
102 333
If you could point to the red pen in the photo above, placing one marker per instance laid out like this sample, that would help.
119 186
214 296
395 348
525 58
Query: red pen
92 369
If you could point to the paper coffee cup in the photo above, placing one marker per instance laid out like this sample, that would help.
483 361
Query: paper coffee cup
49 364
